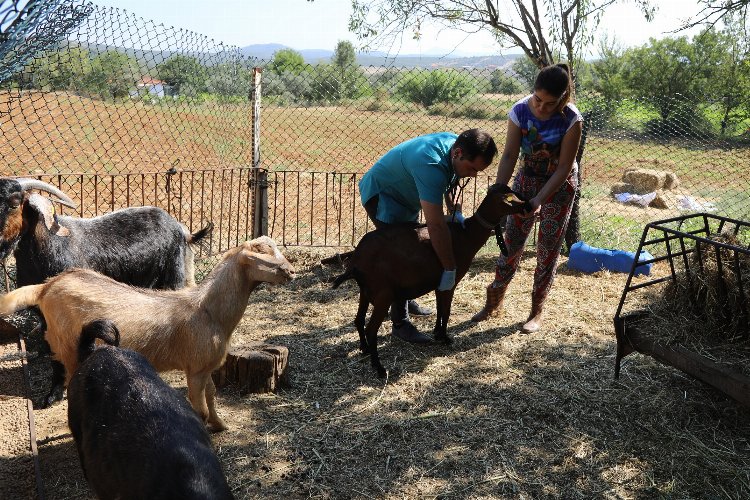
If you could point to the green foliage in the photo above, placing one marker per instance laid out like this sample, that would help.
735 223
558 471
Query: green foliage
185 74
665 72
66 69
474 111
526 69
443 85
502 83
728 76
287 61
608 79
344 56
287 87
229 80
113 74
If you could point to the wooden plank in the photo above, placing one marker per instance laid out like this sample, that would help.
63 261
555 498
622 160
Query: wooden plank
19 477
731 382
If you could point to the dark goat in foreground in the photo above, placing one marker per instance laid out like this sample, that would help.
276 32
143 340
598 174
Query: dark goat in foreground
399 263
136 436
141 246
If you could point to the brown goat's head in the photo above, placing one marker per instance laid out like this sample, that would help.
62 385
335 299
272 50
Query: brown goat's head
500 202
264 262
14 200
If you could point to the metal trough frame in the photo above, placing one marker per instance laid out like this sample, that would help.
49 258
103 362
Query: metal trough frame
681 244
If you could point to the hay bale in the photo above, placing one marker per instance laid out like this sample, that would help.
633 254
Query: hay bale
645 180
659 201
621 187
671 180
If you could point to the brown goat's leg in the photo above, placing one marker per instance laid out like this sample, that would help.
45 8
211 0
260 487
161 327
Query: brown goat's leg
444 301
379 312
196 383
215 423
359 321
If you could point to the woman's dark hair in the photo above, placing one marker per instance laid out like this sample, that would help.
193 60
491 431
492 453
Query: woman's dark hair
476 142
556 81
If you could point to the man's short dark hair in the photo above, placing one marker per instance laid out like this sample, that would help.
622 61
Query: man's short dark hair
476 142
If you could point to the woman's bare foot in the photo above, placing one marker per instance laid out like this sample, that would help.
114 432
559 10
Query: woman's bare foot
534 323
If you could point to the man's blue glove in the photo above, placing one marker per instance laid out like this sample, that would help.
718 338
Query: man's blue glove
447 280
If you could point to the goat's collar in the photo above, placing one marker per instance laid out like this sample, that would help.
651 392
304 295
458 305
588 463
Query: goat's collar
482 222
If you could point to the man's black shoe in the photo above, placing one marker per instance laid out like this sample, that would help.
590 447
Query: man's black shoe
417 310
409 333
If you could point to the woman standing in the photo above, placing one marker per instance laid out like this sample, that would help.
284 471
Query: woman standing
545 130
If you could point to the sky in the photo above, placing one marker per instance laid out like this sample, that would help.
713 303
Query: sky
321 24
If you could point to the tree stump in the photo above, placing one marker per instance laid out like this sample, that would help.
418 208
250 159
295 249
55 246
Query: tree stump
254 368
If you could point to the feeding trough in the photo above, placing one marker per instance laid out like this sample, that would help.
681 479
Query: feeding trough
693 312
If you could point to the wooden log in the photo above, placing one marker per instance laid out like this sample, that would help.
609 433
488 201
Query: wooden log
254 368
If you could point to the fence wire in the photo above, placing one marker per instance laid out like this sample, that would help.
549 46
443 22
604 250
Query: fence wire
119 95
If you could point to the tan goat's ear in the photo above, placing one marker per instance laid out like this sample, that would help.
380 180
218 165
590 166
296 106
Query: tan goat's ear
46 210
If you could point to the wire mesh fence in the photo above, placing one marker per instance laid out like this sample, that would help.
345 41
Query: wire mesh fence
115 95
118 94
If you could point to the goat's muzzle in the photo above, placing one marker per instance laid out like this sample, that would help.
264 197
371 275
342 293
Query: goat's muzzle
288 271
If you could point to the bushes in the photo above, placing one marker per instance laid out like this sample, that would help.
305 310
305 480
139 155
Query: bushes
442 85
477 111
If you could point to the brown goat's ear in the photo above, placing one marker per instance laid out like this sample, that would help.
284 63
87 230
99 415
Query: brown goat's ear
46 210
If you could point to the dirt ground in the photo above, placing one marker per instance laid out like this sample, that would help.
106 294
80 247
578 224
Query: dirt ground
498 414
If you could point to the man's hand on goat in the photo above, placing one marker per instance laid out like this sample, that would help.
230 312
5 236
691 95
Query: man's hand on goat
447 280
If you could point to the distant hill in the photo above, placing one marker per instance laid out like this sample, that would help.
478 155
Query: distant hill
266 51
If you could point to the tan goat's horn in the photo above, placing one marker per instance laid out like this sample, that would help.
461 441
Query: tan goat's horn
62 198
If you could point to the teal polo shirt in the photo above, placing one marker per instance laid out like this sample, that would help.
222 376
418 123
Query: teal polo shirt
415 170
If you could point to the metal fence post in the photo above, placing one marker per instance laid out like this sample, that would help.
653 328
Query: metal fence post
260 176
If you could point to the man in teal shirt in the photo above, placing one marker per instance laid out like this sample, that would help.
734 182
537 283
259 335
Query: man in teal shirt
414 176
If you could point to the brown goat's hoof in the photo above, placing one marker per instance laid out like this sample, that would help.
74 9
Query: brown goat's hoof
216 426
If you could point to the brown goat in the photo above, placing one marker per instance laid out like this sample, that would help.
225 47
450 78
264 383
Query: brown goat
186 329
398 263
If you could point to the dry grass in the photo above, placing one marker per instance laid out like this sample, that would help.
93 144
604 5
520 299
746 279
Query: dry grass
498 414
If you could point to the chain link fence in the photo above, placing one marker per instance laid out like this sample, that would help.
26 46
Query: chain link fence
643 159
118 94
132 106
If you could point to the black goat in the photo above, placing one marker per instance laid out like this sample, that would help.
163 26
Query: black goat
136 436
141 246
398 263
